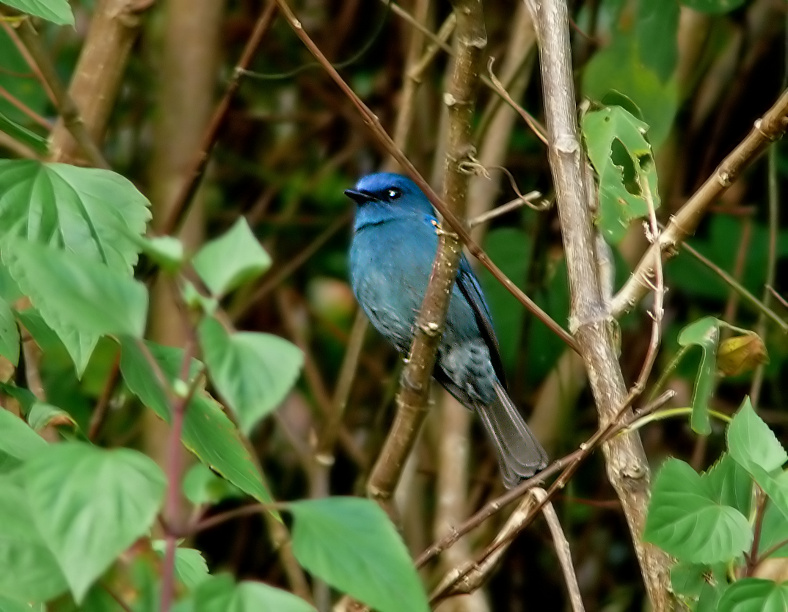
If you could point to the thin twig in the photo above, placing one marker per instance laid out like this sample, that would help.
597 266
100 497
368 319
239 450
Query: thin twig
173 495
757 304
768 128
273 280
536 127
197 169
562 550
472 574
567 466
102 407
771 263
652 232
505 208
24 108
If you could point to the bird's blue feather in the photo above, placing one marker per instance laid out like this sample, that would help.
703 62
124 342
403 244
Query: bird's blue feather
395 238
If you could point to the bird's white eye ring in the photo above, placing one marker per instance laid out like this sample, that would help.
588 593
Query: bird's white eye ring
393 193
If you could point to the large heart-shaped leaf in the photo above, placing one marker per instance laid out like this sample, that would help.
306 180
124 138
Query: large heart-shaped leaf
351 544
686 520
83 210
91 504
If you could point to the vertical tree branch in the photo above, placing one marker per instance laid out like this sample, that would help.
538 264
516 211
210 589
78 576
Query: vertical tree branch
590 320
415 382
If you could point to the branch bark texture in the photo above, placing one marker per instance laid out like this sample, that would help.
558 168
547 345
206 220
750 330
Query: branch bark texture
590 321
413 395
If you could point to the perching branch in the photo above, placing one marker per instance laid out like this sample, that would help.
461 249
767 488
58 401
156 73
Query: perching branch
415 381
767 129
590 320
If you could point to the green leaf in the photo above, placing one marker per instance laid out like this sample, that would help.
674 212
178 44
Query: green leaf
656 32
252 371
730 484
754 595
351 544
688 578
713 6
756 449
91 504
87 211
190 566
10 605
219 594
618 68
42 415
623 161
231 260
207 432
166 251
22 134
17 440
29 570
704 333
685 520
9 333
56 11
751 442
80 299
774 531
202 486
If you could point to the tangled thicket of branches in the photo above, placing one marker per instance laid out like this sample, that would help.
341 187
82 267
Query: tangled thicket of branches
642 123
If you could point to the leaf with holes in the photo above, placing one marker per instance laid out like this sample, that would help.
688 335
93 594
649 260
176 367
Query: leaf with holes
624 164
91 504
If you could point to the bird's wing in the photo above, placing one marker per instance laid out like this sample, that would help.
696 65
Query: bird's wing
470 288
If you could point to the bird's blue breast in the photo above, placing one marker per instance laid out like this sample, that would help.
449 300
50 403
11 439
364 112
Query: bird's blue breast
390 264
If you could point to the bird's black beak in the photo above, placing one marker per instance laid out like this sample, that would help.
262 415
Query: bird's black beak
359 197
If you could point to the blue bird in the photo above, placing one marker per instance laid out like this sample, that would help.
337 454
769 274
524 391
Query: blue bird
394 244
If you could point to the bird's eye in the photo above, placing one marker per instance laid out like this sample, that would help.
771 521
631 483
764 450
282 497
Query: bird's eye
393 193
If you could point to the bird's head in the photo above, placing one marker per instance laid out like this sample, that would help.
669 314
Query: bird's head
384 196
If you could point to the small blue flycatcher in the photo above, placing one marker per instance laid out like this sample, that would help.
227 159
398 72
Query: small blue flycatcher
394 244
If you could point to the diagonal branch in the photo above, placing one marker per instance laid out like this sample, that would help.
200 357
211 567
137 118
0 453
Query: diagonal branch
415 381
591 322
767 129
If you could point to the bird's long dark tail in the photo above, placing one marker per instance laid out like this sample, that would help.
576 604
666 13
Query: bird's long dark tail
519 453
